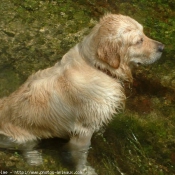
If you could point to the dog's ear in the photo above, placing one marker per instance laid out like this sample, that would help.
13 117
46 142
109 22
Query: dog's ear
108 52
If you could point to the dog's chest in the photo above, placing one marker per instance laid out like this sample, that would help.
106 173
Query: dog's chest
97 95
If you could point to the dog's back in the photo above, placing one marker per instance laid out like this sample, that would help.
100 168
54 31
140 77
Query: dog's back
67 99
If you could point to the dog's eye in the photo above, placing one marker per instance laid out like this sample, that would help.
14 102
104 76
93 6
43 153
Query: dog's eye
140 41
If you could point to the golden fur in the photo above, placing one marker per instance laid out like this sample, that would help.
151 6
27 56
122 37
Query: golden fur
83 91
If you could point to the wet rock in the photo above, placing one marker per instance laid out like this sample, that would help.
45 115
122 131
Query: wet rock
34 34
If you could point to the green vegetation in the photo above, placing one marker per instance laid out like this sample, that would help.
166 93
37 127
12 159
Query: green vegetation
36 33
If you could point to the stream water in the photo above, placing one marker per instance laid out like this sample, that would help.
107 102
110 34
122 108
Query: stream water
140 141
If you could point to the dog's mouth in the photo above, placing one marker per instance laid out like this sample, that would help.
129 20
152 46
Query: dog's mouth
146 61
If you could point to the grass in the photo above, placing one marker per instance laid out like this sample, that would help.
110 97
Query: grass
35 34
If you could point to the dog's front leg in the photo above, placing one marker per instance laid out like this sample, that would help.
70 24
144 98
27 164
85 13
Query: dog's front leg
78 147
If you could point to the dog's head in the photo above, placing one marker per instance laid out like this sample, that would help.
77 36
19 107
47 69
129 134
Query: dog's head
121 40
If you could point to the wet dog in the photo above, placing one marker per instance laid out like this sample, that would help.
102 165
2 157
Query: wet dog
82 92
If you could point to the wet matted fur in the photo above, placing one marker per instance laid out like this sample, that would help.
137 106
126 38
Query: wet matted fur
83 91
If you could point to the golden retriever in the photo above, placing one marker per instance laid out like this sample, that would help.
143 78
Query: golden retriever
83 91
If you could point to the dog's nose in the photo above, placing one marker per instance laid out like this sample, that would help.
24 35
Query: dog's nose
161 47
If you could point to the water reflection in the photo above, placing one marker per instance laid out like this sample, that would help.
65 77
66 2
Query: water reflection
33 157
78 161
74 160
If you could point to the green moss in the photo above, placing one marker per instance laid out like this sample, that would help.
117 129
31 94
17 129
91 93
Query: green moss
35 34
9 81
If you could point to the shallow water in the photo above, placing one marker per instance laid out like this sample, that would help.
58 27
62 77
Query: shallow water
35 34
